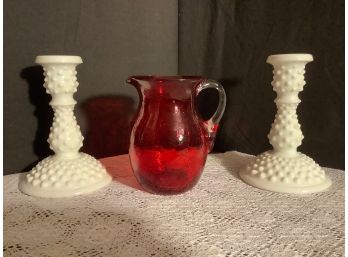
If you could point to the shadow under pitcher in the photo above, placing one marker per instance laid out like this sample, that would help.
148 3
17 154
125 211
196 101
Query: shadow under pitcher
170 141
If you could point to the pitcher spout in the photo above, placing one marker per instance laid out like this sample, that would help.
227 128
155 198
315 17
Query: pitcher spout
134 80
141 82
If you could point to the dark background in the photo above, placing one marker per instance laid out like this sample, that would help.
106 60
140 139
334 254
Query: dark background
115 39
225 40
230 41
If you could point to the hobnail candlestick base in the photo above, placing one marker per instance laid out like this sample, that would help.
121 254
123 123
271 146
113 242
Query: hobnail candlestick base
53 177
68 172
299 174
284 169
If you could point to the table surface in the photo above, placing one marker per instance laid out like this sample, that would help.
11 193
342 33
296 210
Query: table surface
220 216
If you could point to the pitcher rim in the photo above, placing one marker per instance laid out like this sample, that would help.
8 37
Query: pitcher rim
165 78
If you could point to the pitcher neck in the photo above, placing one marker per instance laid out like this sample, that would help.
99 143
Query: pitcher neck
176 87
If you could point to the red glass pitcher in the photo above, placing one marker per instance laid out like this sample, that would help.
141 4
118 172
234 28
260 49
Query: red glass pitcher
170 141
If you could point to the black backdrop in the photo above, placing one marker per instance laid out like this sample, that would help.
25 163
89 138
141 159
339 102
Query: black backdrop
229 40
225 40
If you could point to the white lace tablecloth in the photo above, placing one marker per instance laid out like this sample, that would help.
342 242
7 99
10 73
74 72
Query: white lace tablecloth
221 216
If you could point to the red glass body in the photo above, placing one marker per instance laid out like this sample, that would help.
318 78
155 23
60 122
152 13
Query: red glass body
169 141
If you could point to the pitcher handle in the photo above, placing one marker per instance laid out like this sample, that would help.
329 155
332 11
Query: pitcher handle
211 125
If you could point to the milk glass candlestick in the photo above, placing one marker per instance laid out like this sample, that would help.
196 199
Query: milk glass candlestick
68 172
284 169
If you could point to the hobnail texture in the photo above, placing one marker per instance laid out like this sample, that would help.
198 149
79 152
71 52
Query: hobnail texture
284 169
68 172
